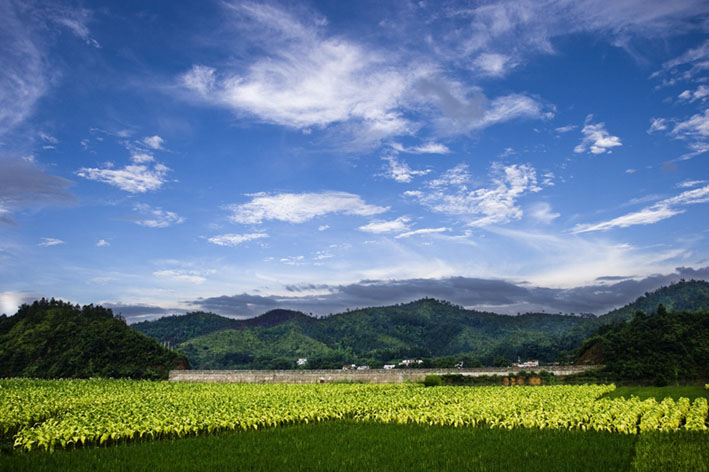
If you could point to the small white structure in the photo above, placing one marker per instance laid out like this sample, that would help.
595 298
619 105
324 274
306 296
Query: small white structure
389 366
363 367
408 362
526 364
302 361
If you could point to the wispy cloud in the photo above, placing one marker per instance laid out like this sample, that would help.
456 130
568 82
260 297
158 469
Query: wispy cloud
235 239
306 79
543 213
133 178
300 207
417 232
492 64
426 148
23 76
565 129
378 227
156 217
691 183
154 142
400 171
24 184
701 93
194 277
657 124
497 203
46 242
696 126
659 211
102 243
686 66
596 139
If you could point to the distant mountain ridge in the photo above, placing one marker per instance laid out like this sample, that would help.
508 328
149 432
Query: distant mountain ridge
425 328
176 329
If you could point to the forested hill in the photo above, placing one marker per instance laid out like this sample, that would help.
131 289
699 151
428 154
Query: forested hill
690 295
54 339
177 329
424 329
664 348
427 329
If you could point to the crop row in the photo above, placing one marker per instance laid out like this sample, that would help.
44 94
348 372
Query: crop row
52 414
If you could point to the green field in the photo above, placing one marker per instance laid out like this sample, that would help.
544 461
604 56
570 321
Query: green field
140 425
334 446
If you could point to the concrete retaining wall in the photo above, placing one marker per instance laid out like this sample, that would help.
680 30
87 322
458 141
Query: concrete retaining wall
367 376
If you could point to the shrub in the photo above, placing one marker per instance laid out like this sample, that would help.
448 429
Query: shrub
433 381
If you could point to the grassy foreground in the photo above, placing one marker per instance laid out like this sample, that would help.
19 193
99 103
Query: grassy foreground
342 445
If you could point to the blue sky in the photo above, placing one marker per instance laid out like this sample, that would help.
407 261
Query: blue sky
240 156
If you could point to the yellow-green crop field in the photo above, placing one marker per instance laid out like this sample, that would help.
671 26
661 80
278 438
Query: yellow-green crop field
38 414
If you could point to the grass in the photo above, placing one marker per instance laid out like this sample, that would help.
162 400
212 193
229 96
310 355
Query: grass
659 393
336 446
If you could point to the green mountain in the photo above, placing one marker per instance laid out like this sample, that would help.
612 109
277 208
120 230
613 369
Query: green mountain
177 329
54 339
425 328
437 331
690 295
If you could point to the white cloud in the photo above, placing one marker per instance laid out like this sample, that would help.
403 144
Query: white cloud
377 227
657 124
181 276
421 231
235 239
305 80
659 211
701 93
48 138
565 129
513 106
697 149
400 171
154 142
596 139
75 20
308 80
300 207
426 148
457 175
46 242
483 206
102 243
133 178
691 183
696 126
323 227
686 66
293 260
141 157
23 75
543 213
156 217
495 65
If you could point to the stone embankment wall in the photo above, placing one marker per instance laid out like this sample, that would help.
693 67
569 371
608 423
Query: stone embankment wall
367 376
